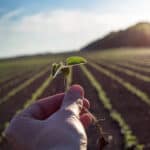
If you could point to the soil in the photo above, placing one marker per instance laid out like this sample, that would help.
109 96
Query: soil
141 64
13 77
134 69
14 83
18 80
108 125
133 109
56 86
144 86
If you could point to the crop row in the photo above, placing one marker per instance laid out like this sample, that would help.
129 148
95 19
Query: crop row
127 71
14 83
131 88
138 80
133 66
15 72
138 64
11 77
22 86
110 129
134 59
127 63
143 63
11 67
130 139
36 94
128 104
127 66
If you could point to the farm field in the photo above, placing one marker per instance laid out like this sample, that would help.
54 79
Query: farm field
117 83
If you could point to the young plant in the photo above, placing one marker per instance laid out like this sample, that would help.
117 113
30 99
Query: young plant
64 68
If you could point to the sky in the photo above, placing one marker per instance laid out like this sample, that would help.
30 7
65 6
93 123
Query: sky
39 26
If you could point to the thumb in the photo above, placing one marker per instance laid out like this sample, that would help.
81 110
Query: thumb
73 99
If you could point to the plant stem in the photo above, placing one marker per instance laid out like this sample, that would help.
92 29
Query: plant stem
101 140
68 79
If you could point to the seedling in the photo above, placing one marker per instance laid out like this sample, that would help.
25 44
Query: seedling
64 68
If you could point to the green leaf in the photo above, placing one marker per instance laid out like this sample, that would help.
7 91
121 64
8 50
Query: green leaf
65 71
75 60
55 69
54 66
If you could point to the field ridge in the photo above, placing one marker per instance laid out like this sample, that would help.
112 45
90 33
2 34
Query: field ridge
23 85
127 71
131 140
143 96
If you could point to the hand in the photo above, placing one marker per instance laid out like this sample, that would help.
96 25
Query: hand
53 123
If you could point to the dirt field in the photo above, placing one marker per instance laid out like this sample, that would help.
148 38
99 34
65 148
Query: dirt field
127 94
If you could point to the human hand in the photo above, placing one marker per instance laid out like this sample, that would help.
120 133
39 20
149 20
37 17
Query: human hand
55 123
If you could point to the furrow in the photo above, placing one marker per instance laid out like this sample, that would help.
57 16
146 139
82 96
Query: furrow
142 95
134 67
23 85
130 140
127 71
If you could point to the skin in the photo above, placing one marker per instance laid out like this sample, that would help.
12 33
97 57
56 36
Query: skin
57 123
